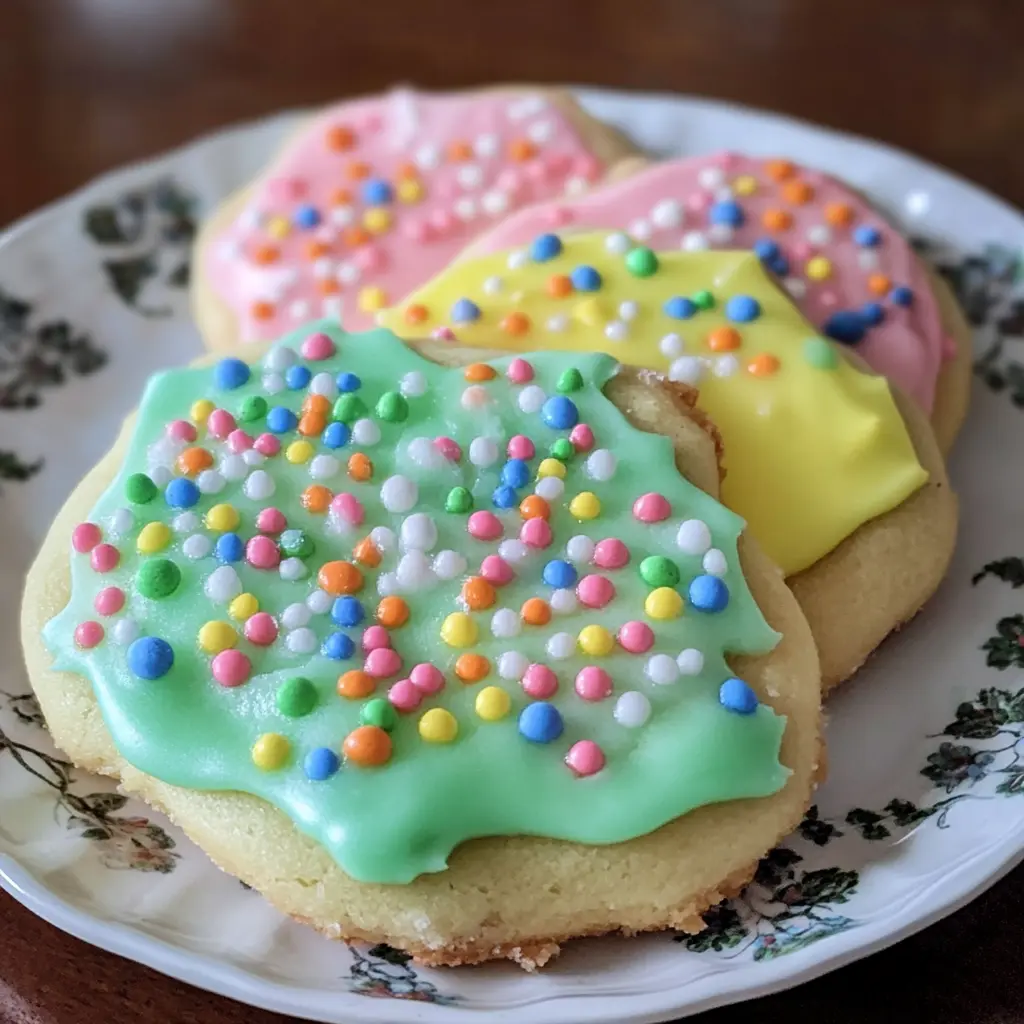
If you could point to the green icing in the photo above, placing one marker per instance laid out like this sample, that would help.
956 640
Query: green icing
394 822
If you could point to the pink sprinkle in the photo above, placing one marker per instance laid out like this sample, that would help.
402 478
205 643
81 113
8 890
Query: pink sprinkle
416 230
538 170
827 298
593 683
558 163
261 629
220 423
586 166
509 180
239 441
182 430
231 667
262 553
375 637
536 533
519 371
475 397
317 346
109 601
267 444
443 333
85 537
801 250
559 216
521 447
539 682
496 570
348 508
585 757
371 258
405 696
442 221
383 662
610 553
636 637
427 678
651 508
484 525
697 201
88 634
582 437
449 448
271 520
595 591
104 557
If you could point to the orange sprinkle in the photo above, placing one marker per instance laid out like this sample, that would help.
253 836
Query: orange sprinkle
839 214
522 149
879 284
360 467
341 197
776 220
193 461
367 553
779 170
339 138
415 314
316 498
340 578
459 150
797 192
266 254
315 249
408 170
515 323
357 170
478 372
533 506
262 310
368 745
559 285
355 684
327 286
763 365
316 403
536 612
478 593
471 668
355 237
312 424
392 611
724 339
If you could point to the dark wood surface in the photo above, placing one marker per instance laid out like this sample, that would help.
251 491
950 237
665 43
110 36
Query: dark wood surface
90 84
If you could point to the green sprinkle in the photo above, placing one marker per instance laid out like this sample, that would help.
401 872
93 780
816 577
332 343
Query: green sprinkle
704 300
570 380
253 407
158 578
562 449
659 571
392 407
818 352
296 697
349 408
459 500
296 544
380 713
641 261
139 489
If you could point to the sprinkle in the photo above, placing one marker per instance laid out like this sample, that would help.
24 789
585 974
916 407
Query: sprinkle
484 525
595 591
150 657
398 494
581 437
663 603
585 758
585 279
735 695
636 637
519 371
593 683
505 623
531 398
545 247
585 506
715 563
596 641
708 594
459 630
448 564
158 578
540 722
153 537
483 452
492 704
742 308
320 764
651 508
438 726
535 612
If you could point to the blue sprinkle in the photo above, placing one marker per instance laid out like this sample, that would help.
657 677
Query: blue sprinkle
545 247
307 216
741 309
229 374
347 611
585 279
336 435
560 413
348 382
465 311
559 574
338 647
376 191
515 473
708 594
229 548
181 493
867 236
901 295
846 326
150 657
779 265
280 420
766 249
735 695
297 377
320 764
727 212
679 308
540 722
504 497
873 313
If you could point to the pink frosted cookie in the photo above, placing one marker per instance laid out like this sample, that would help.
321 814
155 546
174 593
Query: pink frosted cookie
372 197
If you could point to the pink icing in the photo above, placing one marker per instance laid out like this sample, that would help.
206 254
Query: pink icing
474 159
669 203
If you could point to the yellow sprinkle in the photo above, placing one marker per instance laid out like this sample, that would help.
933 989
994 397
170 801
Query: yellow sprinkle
664 603
153 537
299 452
551 467
493 703
589 312
371 299
596 641
409 190
459 630
243 607
586 505
222 517
278 227
270 751
819 268
215 636
438 726
377 220
201 410
745 185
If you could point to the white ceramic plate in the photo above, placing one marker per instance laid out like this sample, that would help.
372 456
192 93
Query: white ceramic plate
925 804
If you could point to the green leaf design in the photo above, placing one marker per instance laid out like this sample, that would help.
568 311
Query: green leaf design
987 715
776 866
1013 785
827 885
724 929
905 813
1004 649
179 276
868 823
128 276
816 830
96 833
1008 570
103 803
382 951
13 468
103 226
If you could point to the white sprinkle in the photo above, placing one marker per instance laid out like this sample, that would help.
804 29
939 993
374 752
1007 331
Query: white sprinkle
474 397
601 465
527 106
121 521
720 233
280 358
164 451
295 615
505 623
492 285
197 546
299 310
710 177
125 631
186 522
541 131
398 494
563 601
723 194
795 286
687 370
512 665
414 572
448 565
486 145
694 537
495 202
292 569
517 259
819 234
671 346
161 476
550 488
418 531
383 538
348 273
561 646
387 584
469 176
641 229
273 383
330 307
690 662
323 267
233 467
617 242
342 215
667 214
301 641
557 323
323 384
365 433
632 709
694 241
483 452
465 208
628 310
580 549
222 584
661 669
424 453
251 457
260 485
531 398
427 157
576 185
726 366
513 551
319 602
867 259
323 467
413 384
714 563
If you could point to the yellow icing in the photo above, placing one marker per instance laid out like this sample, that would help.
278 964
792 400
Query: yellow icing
811 452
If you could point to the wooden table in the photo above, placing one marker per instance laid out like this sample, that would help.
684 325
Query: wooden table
90 84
